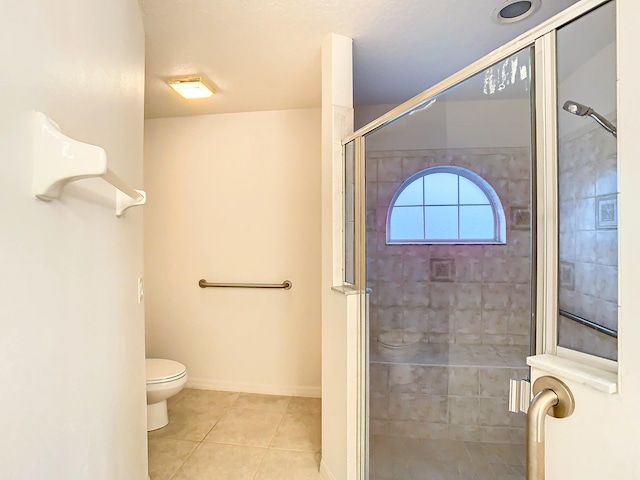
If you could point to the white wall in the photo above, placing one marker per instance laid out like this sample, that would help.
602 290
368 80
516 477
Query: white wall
339 375
72 343
235 198
452 124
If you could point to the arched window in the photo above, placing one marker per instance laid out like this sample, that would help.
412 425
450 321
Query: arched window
445 205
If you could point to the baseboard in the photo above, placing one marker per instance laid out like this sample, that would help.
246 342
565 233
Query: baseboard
325 473
295 391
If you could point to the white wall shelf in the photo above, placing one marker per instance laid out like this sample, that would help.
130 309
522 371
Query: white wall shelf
59 160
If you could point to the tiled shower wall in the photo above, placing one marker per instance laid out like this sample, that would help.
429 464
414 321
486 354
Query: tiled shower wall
588 238
446 402
462 294
470 304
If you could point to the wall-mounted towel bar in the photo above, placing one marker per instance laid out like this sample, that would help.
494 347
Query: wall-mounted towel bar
286 285
58 160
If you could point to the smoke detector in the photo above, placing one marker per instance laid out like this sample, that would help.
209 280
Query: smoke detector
515 10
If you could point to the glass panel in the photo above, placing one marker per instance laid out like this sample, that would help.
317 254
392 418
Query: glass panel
587 184
441 223
413 194
349 214
407 223
450 324
441 189
476 222
471 194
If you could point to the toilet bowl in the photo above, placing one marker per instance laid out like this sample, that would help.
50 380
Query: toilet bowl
165 378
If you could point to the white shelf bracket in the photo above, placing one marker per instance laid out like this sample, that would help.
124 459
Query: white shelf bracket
58 160
124 201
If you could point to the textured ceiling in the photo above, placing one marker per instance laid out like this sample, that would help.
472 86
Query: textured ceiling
265 54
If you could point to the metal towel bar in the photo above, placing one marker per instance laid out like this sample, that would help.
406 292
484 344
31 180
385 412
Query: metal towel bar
286 285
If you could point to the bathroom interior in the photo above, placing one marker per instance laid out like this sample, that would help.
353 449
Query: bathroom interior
450 250
450 312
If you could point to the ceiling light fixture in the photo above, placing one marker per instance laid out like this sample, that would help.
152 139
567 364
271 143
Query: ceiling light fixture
515 10
191 87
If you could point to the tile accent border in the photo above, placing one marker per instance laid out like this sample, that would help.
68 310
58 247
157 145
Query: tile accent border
442 269
520 218
567 277
607 212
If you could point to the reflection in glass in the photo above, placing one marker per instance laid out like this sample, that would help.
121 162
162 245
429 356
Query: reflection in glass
587 184
452 308
349 214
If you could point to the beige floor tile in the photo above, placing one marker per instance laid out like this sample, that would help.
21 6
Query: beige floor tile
274 403
305 405
221 462
246 426
288 465
298 431
166 455
190 421
202 399
172 401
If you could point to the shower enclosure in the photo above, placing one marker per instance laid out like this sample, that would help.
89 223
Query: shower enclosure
441 201
449 256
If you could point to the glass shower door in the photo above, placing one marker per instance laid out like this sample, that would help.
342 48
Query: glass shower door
449 244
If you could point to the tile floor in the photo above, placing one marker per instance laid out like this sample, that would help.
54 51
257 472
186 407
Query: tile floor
398 458
237 436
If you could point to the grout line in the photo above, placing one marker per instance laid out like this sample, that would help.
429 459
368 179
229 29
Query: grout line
227 408
255 475
185 460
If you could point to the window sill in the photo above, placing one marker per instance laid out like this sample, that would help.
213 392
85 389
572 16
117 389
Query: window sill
345 289
601 380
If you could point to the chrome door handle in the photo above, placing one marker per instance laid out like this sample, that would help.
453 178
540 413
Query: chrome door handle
553 397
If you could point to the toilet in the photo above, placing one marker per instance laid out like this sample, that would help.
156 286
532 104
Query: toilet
165 378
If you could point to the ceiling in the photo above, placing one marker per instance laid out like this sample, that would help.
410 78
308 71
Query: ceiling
265 54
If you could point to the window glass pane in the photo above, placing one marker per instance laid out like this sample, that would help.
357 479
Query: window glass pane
470 193
412 194
441 223
441 189
349 214
407 223
476 223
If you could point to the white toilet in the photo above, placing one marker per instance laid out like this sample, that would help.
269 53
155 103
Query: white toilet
165 378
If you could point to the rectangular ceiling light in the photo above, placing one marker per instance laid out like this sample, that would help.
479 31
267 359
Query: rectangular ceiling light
191 88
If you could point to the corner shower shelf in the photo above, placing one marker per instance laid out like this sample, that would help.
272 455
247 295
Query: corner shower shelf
58 160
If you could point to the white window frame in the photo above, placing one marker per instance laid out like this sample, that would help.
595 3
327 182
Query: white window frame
499 223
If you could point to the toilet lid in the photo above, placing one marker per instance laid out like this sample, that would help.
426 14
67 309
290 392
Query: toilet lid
160 370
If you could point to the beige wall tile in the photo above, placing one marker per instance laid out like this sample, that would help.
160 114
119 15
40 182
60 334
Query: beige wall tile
464 381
